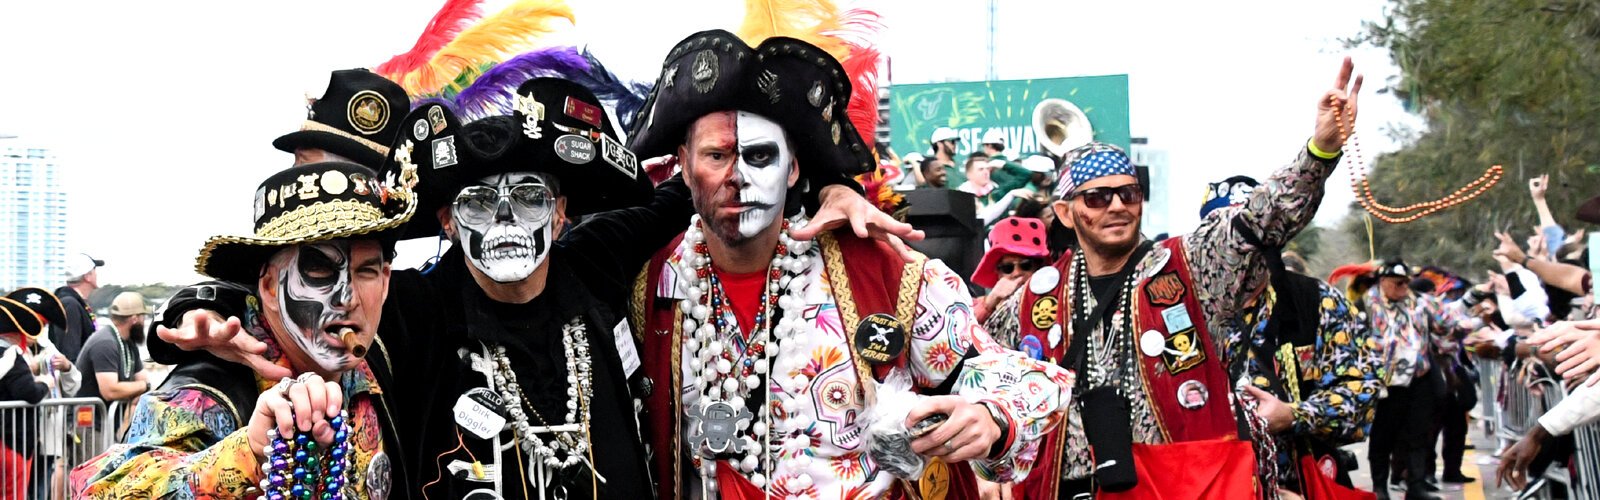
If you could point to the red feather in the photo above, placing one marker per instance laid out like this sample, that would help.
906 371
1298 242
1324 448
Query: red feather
455 16
1352 270
858 27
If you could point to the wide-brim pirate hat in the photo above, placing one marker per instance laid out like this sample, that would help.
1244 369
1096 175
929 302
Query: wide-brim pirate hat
558 127
41 301
356 118
306 204
793 83
18 318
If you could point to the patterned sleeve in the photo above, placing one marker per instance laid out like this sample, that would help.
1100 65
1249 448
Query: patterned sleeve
173 436
1031 395
1004 324
1348 371
1227 270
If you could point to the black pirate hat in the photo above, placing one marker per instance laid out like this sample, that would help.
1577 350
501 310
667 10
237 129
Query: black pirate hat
18 318
305 204
788 81
558 127
42 302
1589 211
356 118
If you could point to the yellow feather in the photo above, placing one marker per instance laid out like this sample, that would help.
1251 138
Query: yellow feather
809 20
511 31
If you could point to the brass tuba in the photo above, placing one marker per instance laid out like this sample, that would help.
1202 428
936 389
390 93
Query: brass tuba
1060 126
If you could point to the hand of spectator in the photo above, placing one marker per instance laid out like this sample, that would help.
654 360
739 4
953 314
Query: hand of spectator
1536 247
305 404
1576 344
1514 462
1336 109
1508 248
205 330
60 363
994 491
1006 286
840 205
1537 186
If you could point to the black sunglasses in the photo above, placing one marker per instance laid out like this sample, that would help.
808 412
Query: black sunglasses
1025 266
1101 197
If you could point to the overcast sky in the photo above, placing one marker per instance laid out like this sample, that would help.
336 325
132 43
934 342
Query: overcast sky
162 111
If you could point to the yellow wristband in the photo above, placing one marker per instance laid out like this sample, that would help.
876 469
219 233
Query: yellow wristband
1311 144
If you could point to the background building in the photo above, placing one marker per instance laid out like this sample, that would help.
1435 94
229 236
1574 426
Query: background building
33 216
1157 220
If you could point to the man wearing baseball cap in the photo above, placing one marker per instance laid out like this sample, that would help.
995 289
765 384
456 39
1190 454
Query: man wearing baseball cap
111 356
82 279
944 143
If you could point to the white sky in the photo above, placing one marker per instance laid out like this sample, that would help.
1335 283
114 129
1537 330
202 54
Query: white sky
163 111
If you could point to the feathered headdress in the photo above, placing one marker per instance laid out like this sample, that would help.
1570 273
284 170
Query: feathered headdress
457 51
1362 277
849 35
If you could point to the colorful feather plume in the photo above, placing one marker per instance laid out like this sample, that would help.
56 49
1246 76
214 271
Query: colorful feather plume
879 187
455 16
848 35
510 31
1352 270
625 98
808 20
492 93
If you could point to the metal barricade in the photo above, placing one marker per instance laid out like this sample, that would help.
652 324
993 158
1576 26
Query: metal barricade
40 443
1515 404
1488 388
1586 463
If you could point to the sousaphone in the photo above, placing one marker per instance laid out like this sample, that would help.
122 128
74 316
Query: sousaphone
1060 126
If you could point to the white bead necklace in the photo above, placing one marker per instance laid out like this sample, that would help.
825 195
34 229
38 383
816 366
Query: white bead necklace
575 345
723 375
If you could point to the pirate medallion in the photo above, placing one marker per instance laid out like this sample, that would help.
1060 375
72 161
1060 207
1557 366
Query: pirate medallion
714 429
880 338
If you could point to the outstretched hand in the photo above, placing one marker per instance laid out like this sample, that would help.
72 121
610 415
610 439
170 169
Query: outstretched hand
206 330
840 204
1338 102
306 404
1508 248
1577 347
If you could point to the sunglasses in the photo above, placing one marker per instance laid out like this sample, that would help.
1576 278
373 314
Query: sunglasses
1101 197
1026 266
530 202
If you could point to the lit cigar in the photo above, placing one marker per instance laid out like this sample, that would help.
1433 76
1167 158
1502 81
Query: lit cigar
348 336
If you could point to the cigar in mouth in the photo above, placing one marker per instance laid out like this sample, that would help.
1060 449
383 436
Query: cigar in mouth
347 335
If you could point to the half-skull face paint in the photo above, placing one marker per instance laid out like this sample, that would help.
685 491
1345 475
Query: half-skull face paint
315 295
741 195
504 224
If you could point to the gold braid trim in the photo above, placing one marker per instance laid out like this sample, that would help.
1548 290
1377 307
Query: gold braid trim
312 126
911 274
640 286
318 217
845 299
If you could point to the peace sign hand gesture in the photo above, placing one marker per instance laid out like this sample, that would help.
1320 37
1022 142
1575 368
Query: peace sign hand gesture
1337 105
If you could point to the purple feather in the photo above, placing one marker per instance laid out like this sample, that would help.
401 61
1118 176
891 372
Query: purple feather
625 98
491 94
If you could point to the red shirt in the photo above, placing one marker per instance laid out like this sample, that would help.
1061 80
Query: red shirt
744 293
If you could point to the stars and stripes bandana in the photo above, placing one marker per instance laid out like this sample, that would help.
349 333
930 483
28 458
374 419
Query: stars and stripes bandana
1089 162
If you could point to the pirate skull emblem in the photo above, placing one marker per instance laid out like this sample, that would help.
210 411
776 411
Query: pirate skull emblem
1044 312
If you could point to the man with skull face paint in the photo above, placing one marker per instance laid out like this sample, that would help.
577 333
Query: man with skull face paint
319 260
770 337
495 338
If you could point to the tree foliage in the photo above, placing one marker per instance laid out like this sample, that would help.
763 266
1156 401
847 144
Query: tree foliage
1509 82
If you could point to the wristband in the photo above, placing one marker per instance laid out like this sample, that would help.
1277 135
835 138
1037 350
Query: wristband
1311 145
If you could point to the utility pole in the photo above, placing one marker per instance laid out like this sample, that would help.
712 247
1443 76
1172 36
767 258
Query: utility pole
994 7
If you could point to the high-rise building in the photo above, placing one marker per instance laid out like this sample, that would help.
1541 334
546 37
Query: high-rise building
1156 204
33 216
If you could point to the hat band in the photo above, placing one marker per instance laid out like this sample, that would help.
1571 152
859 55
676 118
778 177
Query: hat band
319 127
320 218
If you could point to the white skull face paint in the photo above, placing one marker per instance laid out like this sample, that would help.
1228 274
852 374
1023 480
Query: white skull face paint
504 224
314 293
764 161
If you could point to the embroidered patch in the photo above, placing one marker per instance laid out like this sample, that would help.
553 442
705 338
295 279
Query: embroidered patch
436 119
619 156
359 186
1182 352
1044 312
444 151
704 71
1165 289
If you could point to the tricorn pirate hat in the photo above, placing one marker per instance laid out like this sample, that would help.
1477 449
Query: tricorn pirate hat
356 118
42 302
557 127
18 318
788 81
306 204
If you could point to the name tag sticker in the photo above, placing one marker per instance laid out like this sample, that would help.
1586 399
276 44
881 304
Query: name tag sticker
623 335
1177 318
477 417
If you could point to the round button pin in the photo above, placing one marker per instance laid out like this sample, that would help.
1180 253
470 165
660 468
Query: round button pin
1044 280
1151 343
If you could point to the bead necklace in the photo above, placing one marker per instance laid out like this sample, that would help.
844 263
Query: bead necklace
1396 215
575 345
724 376
1104 348
294 465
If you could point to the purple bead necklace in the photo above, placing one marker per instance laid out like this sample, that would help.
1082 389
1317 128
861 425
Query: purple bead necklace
297 469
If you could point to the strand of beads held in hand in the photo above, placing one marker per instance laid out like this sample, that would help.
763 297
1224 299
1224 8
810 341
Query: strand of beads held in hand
1393 215
298 469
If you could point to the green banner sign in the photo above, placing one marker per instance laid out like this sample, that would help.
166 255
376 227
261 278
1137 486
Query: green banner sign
973 108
